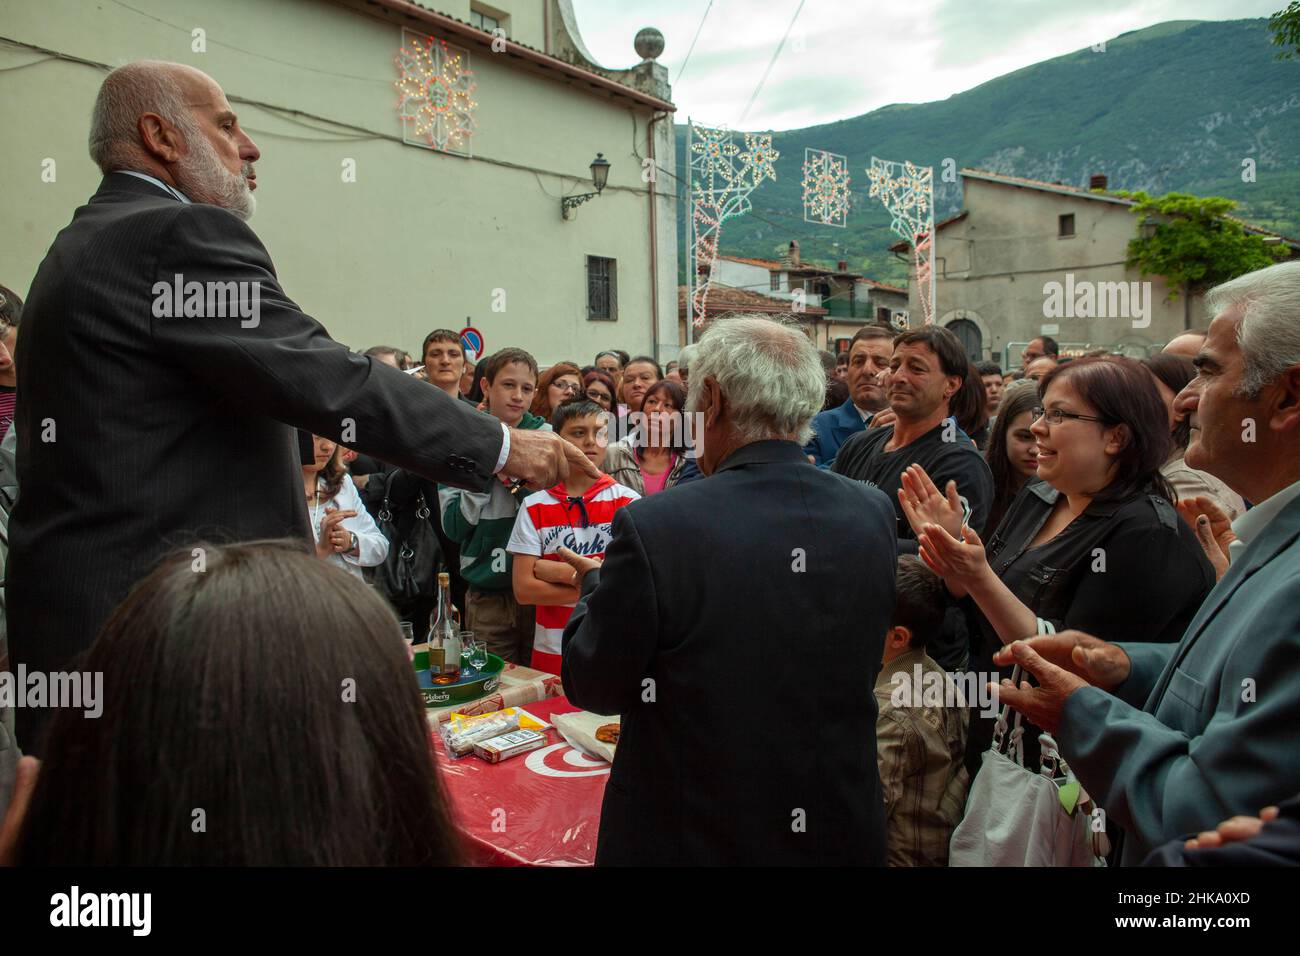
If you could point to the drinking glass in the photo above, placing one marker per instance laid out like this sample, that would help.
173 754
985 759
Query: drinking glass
408 637
466 650
480 656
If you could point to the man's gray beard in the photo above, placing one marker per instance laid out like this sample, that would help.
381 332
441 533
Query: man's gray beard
202 178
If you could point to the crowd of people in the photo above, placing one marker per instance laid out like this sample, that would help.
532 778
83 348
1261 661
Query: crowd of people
1114 544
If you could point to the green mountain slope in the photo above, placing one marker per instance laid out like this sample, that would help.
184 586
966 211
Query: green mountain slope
1176 106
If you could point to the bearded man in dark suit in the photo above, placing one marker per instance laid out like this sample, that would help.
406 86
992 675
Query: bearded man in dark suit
164 370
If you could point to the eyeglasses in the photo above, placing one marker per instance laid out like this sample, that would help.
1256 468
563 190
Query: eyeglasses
566 387
1055 416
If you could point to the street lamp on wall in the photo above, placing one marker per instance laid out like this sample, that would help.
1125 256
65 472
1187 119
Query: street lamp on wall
599 177
1147 228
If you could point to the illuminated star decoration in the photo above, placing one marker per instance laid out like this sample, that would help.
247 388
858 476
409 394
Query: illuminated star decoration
436 103
908 194
825 188
721 178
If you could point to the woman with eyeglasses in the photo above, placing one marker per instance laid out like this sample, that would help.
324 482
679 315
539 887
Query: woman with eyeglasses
600 389
1093 543
560 383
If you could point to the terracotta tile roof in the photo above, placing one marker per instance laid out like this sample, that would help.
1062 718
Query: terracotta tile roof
884 287
765 263
1044 186
724 299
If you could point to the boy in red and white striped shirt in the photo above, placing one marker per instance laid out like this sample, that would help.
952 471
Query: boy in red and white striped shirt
575 514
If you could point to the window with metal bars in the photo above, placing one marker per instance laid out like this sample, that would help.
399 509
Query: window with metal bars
602 289
483 20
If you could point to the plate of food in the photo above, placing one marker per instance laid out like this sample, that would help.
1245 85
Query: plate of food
594 734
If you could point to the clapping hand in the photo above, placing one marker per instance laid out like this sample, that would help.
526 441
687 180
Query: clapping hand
1099 662
923 504
1213 529
959 561
1040 705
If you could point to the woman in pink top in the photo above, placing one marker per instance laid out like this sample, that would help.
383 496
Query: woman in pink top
651 458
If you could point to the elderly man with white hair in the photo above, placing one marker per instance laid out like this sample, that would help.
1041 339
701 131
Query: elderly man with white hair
770 580
164 369
1171 739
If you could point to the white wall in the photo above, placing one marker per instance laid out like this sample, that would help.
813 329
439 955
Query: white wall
421 239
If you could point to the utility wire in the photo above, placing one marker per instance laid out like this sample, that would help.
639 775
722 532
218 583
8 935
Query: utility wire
682 69
771 63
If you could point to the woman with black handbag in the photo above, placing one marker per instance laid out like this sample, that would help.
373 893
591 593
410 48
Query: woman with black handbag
403 506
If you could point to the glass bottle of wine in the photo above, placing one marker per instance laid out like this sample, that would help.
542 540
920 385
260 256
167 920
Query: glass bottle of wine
444 638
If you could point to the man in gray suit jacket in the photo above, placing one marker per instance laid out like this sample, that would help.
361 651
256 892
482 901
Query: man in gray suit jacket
1171 739
163 368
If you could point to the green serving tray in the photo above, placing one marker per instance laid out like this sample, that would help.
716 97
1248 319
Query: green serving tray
479 684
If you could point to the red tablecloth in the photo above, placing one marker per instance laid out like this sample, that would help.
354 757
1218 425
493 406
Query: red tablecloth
538 809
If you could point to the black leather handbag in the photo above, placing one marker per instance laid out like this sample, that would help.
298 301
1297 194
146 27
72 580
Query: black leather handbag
408 573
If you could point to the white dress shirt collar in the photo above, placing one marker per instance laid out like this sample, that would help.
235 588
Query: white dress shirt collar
1249 525
171 190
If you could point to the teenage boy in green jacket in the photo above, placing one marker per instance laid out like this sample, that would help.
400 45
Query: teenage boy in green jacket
480 523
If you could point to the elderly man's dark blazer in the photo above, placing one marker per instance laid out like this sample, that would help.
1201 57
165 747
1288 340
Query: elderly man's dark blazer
737 625
142 433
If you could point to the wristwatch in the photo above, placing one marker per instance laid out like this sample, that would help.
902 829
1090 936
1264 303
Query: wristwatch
356 544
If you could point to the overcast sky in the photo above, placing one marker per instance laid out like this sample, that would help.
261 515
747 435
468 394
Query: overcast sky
847 57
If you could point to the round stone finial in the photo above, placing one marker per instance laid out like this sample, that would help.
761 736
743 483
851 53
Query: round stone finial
649 43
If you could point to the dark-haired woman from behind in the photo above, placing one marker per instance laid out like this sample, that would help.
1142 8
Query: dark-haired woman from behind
970 407
261 712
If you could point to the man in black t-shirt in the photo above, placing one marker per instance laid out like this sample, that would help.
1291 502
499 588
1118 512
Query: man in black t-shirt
926 370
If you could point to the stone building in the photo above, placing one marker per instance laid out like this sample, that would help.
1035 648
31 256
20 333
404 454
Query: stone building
1025 258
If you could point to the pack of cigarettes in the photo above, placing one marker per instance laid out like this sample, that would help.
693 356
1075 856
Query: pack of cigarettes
510 745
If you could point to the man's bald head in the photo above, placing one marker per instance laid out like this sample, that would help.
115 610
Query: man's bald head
173 122
1187 345
129 92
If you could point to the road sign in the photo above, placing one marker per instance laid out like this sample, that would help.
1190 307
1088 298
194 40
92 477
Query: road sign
471 340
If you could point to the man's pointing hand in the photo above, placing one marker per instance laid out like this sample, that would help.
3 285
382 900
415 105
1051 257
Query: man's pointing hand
543 458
